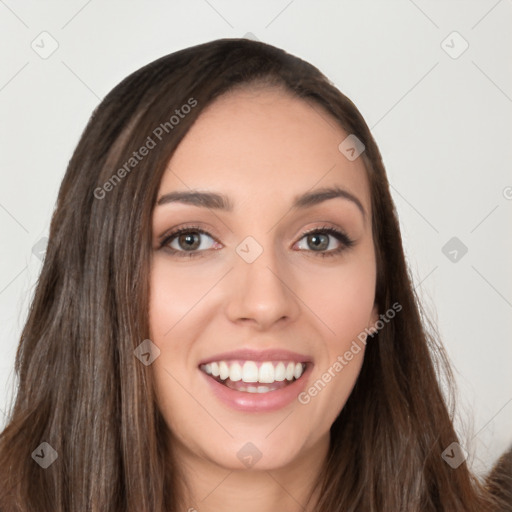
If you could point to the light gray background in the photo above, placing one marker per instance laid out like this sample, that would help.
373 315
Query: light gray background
443 125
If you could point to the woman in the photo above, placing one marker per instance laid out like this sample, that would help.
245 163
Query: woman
224 318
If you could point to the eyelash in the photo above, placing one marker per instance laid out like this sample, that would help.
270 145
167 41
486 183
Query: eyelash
342 237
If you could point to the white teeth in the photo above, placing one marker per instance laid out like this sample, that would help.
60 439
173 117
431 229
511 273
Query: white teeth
280 372
290 370
235 372
257 389
223 370
250 372
267 372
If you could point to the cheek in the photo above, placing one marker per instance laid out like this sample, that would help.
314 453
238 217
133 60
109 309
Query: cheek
343 301
171 298
176 295
342 298
171 306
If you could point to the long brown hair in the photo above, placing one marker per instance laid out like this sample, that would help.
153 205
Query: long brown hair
499 481
82 391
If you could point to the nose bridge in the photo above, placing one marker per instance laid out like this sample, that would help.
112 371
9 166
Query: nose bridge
262 288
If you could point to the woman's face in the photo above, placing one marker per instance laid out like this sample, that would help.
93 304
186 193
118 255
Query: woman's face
255 291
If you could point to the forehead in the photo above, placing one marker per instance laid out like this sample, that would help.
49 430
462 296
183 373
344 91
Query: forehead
261 143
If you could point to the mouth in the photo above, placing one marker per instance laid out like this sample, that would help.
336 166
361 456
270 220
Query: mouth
260 377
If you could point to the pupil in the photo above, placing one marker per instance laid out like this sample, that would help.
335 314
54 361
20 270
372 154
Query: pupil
316 237
189 238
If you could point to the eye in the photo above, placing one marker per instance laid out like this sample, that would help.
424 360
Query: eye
187 241
318 238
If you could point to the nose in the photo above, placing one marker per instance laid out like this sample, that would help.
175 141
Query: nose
262 292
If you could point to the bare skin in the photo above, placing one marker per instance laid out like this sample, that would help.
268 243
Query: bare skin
261 148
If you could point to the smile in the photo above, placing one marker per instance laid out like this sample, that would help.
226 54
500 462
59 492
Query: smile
254 376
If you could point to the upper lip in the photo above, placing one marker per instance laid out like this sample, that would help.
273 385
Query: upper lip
259 355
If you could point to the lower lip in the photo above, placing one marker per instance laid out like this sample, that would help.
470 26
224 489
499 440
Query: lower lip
259 402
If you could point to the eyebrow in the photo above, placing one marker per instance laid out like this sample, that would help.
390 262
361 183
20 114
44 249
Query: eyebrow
221 202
